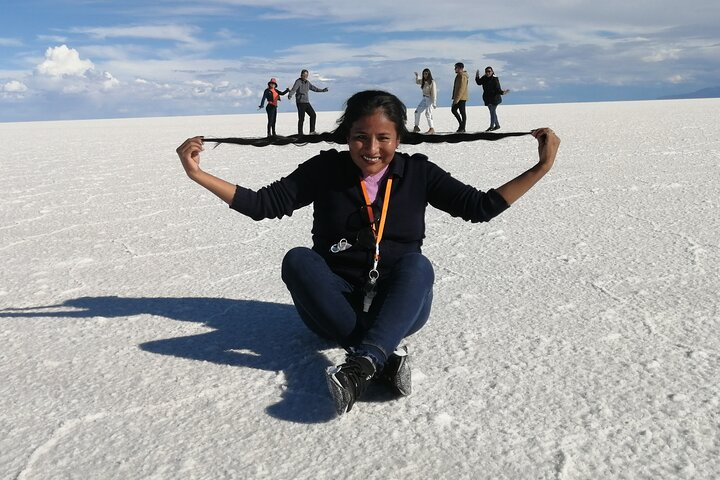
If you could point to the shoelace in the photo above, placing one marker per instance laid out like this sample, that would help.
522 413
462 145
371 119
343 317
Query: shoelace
353 372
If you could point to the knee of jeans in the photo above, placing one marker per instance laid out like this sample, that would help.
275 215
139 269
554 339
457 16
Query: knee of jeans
293 261
419 264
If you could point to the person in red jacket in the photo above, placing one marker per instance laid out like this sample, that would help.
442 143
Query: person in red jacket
365 283
272 96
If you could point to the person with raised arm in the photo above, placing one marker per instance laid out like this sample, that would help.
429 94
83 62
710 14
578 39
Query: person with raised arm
428 102
492 94
301 90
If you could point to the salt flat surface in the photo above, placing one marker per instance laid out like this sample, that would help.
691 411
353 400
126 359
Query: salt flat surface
145 331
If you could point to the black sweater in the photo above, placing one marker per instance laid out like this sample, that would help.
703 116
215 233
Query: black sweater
331 181
492 91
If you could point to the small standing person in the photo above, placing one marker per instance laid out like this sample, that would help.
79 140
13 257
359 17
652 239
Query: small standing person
492 94
460 96
301 90
272 96
429 99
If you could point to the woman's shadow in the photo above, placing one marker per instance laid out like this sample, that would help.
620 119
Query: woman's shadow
246 333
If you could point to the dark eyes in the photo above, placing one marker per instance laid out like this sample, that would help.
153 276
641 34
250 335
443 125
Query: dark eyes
365 138
361 137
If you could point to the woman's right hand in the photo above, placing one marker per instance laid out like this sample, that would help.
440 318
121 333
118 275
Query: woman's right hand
189 153
548 144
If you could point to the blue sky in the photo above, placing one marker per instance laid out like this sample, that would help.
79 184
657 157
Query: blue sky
73 59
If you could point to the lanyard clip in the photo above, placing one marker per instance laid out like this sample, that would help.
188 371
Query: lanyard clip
340 246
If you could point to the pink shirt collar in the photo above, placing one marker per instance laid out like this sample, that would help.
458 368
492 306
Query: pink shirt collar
372 183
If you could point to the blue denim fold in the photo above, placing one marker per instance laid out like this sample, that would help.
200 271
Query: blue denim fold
331 307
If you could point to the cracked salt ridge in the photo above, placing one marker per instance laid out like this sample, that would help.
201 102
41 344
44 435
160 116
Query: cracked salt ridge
572 337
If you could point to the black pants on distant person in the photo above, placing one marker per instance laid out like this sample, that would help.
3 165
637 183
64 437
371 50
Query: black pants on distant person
462 117
272 118
304 108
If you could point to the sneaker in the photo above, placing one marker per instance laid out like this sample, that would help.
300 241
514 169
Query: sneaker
416 129
430 132
396 372
348 381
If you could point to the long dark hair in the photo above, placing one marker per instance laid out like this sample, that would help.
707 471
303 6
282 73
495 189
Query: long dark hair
361 105
429 79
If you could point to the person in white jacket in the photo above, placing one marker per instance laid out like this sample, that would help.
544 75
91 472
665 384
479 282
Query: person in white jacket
429 99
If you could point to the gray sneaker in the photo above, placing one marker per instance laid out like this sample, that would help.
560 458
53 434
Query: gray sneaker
396 372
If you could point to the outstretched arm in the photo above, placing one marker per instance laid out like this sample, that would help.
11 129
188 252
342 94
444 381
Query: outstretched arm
189 153
317 89
548 144
293 89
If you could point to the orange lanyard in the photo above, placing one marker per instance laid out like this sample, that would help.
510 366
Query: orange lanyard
378 233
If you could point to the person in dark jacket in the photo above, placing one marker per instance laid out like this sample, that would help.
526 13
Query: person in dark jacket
365 283
272 96
492 94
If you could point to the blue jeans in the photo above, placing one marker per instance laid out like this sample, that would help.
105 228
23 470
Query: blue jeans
332 307
493 115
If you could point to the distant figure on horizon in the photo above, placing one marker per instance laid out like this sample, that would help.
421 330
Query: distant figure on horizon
365 284
492 94
301 90
272 96
429 99
460 96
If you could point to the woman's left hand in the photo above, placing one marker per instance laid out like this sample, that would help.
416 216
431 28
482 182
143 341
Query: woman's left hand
548 144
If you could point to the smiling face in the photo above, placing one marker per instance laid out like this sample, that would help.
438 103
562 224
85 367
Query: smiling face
373 140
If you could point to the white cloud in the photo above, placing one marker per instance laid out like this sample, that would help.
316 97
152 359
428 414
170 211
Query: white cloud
662 55
109 82
465 15
183 34
61 61
52 38
243 92
10 42
14 86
